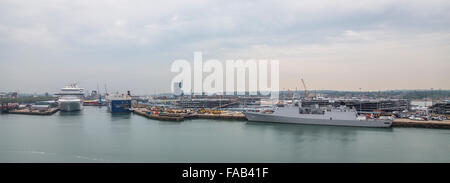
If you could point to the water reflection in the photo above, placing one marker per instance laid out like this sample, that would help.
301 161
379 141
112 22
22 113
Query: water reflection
70 113
313 128
120 116
314 132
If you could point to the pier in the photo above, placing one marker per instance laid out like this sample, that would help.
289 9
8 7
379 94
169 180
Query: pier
445 124
226 116
183 116
35 112
158 116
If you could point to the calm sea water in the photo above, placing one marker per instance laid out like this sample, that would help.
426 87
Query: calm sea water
94 135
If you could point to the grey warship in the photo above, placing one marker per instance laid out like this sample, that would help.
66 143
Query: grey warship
335 116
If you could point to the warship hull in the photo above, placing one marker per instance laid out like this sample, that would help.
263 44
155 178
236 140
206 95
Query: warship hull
261 117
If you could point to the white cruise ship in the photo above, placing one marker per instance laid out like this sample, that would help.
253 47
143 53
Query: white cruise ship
71 98
342 116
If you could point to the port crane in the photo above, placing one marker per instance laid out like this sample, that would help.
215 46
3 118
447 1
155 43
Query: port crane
106 90
306 90
99 95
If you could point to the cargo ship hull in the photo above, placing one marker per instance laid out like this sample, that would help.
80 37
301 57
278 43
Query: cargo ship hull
261 117
119 106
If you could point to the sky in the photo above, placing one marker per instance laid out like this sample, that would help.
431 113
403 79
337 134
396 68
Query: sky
130 44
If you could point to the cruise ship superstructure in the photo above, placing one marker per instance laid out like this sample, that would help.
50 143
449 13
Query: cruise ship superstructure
71 98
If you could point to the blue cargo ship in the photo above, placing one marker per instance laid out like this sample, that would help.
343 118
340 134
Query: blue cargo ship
119 103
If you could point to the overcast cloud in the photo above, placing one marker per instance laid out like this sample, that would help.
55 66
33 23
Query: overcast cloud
130 45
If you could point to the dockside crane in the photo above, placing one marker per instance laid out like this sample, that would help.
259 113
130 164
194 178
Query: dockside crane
106 90
306 90
99 95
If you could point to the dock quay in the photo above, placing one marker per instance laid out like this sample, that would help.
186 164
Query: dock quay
226 116
183 116
158 116
445 124
35 112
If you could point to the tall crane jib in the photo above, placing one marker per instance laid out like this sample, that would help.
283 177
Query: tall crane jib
306 90
99 95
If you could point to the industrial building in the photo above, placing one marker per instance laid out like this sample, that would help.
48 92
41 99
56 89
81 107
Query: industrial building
441 108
